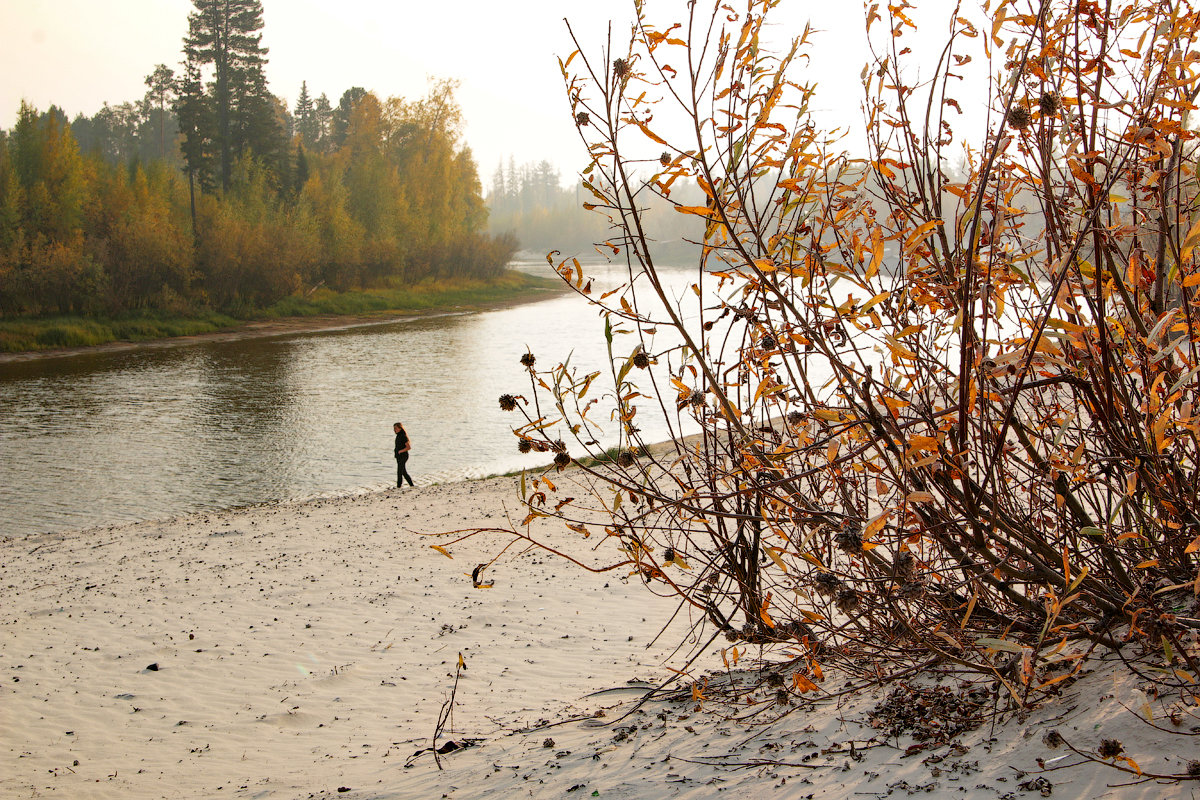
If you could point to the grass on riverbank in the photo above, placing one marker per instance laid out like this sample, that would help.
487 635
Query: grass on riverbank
45 333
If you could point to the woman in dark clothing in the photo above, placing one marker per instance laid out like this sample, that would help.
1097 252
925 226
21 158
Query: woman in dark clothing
402 448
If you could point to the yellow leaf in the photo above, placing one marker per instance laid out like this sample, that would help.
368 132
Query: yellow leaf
441 550
828 414
700 211
876 525
1147 564
1191 240
876 257
918 236
461 663
1194 546
649 133
774 552
920 497
879 298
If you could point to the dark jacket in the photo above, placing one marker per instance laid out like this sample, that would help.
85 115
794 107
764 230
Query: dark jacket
401 443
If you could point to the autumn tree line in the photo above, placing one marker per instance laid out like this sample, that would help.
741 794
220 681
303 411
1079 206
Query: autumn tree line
210 193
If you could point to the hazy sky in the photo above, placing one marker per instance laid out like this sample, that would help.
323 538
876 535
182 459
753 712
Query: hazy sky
78 54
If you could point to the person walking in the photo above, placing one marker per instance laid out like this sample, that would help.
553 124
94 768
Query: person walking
402 447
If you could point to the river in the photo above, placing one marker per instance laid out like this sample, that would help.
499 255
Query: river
99 438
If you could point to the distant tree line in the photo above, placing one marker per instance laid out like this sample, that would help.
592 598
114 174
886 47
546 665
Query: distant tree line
529 202
210 193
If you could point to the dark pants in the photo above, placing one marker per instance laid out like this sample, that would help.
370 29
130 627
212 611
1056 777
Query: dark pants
402 471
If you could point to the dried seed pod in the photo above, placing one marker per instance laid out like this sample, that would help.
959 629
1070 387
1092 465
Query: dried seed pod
849 540
507 402
582 118
561 460
848 600
620 68
795 418
905 566
1193 769
641 360
768 342
1019 118
1049 103
669 554
528 360
697 398
626 459
827 583
558 446
781 697
524 446
665 159
1110 748
1053 739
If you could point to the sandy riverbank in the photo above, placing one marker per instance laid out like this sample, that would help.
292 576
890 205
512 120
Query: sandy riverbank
305 650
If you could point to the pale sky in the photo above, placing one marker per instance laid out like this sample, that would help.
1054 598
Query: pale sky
77 54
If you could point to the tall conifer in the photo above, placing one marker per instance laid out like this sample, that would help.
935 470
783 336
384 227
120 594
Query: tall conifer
225 41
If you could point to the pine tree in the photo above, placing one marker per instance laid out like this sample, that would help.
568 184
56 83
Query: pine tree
161 83
307 124
226 36
341 114
323 117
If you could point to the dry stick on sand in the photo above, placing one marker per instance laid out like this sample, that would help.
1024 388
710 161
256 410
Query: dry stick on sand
444 717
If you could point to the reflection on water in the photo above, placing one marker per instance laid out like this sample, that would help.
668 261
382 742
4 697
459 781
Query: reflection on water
106 437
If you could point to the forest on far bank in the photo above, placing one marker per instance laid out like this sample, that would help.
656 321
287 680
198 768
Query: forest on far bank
210 194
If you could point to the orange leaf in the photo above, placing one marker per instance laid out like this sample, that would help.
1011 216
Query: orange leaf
802 684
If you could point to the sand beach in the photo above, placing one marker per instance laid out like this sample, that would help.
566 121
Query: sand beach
307 650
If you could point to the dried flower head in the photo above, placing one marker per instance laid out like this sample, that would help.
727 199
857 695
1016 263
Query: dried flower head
626 459
697 398
774 679
848 600
1049 103
768 342
561 460
507 402
795 418
781 697
849 539
827 583
582 118
905 566
669 554
1110 748
641 360
620 68
1019 118
1052 739
524 446
1193 769
558 446
528 360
